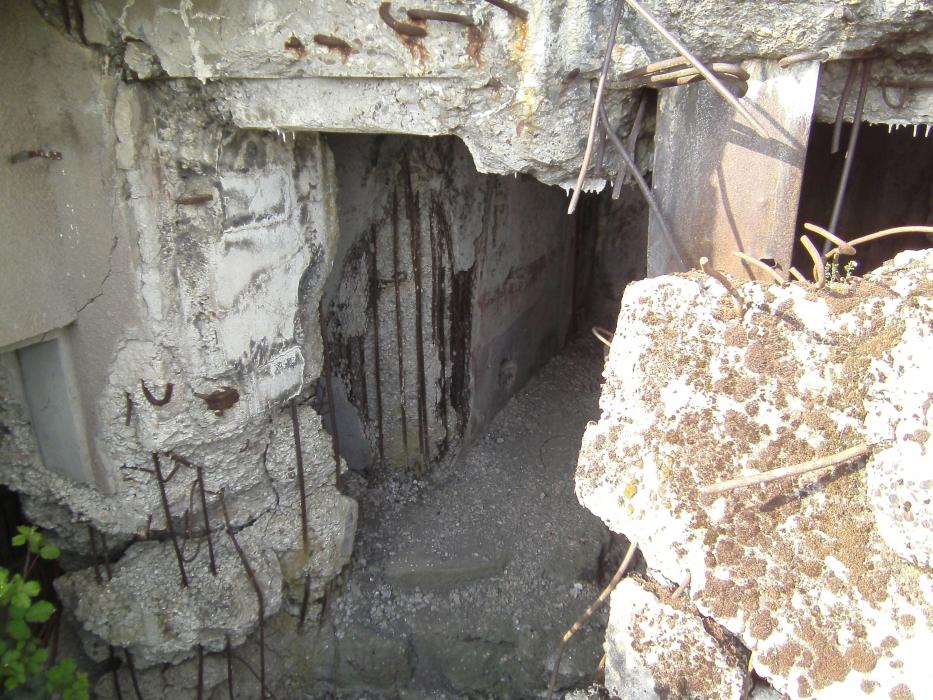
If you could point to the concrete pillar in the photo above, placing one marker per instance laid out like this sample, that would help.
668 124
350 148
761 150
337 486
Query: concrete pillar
723 188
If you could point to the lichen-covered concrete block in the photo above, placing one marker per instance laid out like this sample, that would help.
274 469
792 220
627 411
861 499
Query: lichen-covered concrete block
659 648
824 576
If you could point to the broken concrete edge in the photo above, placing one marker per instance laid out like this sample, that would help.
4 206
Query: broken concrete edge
696 392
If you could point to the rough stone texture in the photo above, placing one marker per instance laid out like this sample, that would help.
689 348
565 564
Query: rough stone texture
816 579
502 85
658 647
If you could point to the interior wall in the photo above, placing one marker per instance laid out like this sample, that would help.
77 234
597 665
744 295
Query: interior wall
449 290
891 184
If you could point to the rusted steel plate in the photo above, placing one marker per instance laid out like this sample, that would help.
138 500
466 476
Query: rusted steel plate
722 187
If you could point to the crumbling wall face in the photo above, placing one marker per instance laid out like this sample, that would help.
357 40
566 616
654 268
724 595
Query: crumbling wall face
449 290
824 578
232 236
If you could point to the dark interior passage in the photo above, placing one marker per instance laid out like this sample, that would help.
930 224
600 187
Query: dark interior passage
450 289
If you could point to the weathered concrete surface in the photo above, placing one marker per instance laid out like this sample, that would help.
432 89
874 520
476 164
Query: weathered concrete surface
501 85
825 578
659 647
719 186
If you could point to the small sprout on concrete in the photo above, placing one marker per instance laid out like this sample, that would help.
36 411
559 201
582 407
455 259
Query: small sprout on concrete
833 460
588 613
737 299
150 397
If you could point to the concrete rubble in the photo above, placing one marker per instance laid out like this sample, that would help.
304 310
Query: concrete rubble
824 578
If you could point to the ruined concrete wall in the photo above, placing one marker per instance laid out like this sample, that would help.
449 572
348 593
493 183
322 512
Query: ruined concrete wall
202 252
449 291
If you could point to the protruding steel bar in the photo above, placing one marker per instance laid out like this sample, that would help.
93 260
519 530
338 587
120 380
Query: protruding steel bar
850 150
426 15
300 469
207 522
803 56
622 175
510 7
168 519
841 109
645 190
714 81
385 11
597 104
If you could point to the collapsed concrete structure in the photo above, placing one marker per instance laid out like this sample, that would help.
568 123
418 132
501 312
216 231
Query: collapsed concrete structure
221 225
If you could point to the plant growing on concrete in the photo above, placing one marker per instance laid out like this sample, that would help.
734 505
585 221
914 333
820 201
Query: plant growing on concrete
24 660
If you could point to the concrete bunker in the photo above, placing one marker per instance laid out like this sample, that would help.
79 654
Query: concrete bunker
304 292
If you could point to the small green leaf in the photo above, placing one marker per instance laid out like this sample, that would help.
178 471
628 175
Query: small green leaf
32 588
19 540
21 600
18 630
40 611
49 551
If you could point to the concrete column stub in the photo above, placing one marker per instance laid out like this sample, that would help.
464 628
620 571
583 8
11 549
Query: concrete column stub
721 187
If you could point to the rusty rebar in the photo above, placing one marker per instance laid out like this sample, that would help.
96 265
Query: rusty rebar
200 690
588 613
385 11
426 15
767 269
841 108
802 56
632 140
106 555
819 272
603 335
129 408
713 80
597 104
842 246
150 397
305 601
132 669
114 671
414 230
331 406
229 655
645 190
300 469
849 455
850 150
168 519
94 554
737 299
511 8
398 325
207 523
42 154
377 368
927 230
259 597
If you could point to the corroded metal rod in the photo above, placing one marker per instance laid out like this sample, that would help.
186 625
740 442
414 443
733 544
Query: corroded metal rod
645 190
833 460
841 109
300 469
168 519
588 613
850 150
711 77
597 104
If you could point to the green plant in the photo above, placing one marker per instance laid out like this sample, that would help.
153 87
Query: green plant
833 274
24 660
